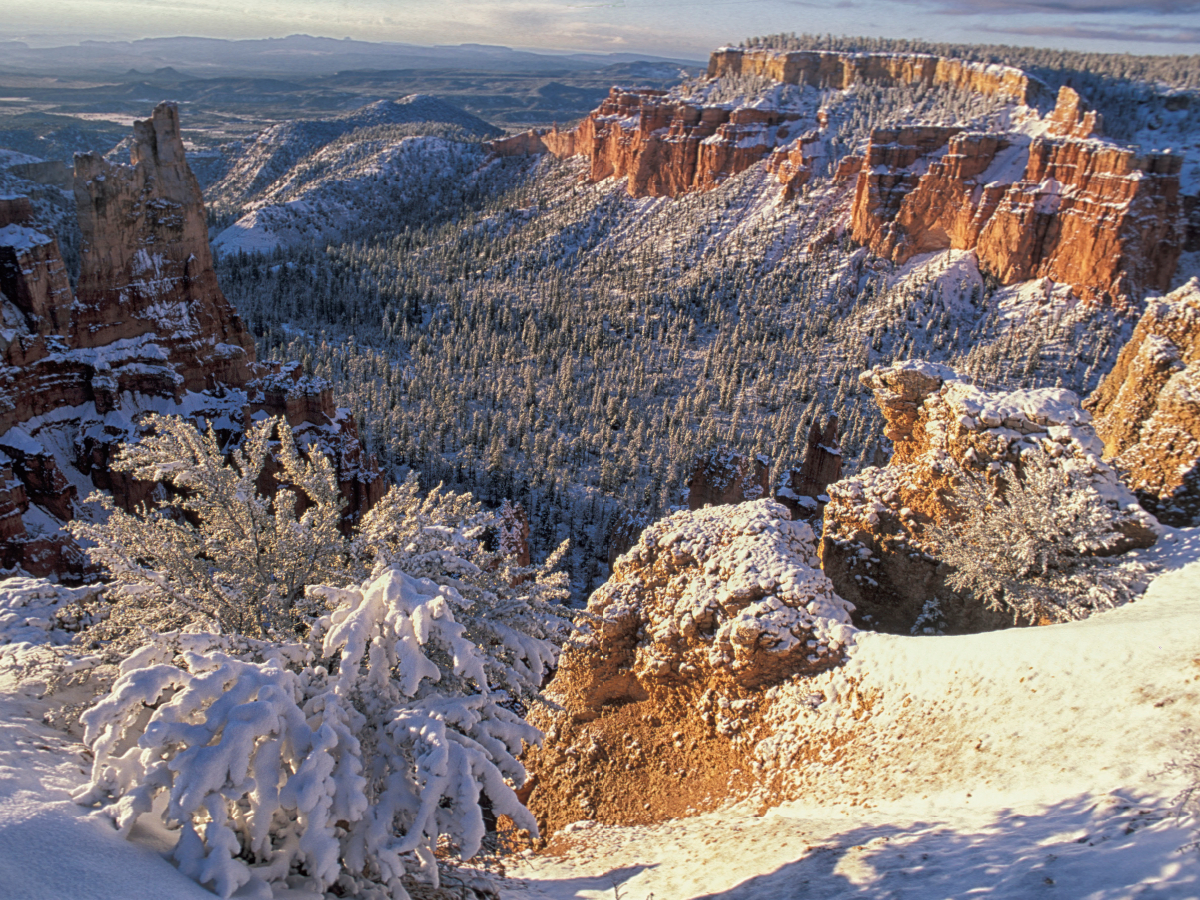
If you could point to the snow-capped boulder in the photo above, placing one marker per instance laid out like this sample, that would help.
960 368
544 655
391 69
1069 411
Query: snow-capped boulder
708 610
874 546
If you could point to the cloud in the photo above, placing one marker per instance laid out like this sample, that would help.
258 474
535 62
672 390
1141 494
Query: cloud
1071 7
1140 33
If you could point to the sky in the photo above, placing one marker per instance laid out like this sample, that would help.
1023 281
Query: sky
687 28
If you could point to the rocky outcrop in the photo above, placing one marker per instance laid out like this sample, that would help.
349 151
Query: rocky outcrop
657 696
665 147
873 546
1080 211
803 490
146 265
149 329
794 164
819 68
722 477
1071 117
1148 408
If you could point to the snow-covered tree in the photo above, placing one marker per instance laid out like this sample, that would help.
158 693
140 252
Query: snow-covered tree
342 761
339 754
214 547
1038 545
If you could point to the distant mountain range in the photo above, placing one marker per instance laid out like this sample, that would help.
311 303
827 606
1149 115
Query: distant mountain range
169 58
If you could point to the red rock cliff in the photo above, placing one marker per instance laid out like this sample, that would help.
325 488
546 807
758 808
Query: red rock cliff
1080 211
820 68
664 147
1148 408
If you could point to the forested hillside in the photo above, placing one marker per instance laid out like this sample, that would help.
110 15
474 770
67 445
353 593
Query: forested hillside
573 348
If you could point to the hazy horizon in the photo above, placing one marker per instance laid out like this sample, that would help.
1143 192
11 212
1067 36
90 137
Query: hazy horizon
666 28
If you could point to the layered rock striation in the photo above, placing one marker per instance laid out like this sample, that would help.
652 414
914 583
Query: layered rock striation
657 694
1148 408
874 547
1060 205
822 68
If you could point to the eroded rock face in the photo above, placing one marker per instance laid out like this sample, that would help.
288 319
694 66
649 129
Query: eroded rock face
1148 408
793 164
707 611
668 147
722 477
1061 206
146 265
820 68
873 547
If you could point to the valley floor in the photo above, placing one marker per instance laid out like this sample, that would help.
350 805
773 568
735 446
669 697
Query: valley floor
1028 763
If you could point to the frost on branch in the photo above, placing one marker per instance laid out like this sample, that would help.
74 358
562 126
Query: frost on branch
512 609
246 562
1037 544
273 769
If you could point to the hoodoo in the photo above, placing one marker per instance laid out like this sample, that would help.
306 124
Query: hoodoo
148 326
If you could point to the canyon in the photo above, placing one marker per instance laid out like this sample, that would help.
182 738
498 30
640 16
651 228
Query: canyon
146 329
1045 198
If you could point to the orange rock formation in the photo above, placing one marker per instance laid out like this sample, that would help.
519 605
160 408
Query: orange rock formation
658 700
1148 408
1079 211
873 549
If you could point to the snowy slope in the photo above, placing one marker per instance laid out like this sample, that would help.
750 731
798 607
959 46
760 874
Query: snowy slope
49 850
344 187
275 151
1013 764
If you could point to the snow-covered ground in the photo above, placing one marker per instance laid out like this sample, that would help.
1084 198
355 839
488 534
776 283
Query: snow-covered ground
1021 764
1016 764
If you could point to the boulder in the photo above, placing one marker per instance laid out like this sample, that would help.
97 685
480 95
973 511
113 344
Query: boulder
654 700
